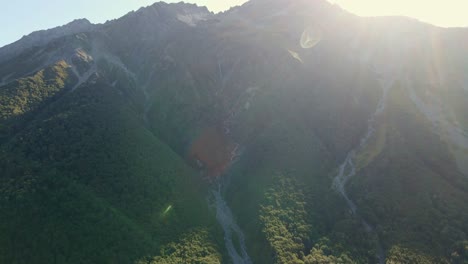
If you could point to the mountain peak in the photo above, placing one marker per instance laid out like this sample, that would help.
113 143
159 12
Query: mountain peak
166 13
42 37
259 8
172 8
181 5
79 22
286 3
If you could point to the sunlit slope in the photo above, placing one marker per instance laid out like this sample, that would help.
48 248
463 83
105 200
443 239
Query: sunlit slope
84 181
110 138
362 53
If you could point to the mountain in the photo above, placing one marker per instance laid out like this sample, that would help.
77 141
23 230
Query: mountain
276 132
40 38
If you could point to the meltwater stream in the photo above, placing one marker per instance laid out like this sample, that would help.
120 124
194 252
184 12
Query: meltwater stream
348 169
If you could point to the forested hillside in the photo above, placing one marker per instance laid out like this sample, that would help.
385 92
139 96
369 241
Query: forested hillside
283 131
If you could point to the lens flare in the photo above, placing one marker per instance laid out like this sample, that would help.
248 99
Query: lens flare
295 55
168 209
311 37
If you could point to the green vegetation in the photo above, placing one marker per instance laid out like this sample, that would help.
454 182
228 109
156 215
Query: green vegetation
27 94
318 255
50 219
460 253
398 255
106 173
284 135
283 217
429 215
85 181
193 248
373 148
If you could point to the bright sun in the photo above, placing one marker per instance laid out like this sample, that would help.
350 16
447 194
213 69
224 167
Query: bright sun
445 13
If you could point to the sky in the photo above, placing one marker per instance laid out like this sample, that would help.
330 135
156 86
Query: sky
444 13
21 17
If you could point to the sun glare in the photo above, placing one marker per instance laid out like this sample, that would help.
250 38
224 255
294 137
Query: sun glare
448 13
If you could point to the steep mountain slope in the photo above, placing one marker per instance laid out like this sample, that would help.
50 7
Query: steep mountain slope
298 132
43 37
83 180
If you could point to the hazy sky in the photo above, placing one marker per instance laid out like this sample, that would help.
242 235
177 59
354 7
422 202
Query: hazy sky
445 13
21 17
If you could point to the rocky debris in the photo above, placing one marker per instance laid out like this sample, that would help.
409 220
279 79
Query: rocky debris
43 37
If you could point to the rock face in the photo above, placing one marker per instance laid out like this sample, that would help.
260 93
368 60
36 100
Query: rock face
104 127
43 37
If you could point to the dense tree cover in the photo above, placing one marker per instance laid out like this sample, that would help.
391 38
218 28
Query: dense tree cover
86 182
51 219
283 216
100 175
285 226
318 255
27 94
20 99
460 253
429 216
282 138
193 248
399 255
